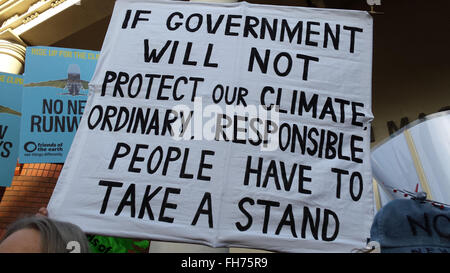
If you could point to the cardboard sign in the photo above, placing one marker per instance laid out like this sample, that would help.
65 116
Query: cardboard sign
54 96
226 125
10 113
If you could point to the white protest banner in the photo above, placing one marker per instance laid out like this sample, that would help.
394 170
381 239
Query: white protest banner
226 125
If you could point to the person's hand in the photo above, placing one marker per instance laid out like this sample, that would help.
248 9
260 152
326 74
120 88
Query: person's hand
42 212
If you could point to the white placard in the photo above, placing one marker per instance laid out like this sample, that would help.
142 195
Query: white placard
227 125
395 167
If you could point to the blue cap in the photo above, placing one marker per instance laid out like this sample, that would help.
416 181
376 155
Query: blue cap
412 226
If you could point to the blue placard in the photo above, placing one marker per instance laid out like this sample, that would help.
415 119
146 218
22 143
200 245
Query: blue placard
54 96
10 115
